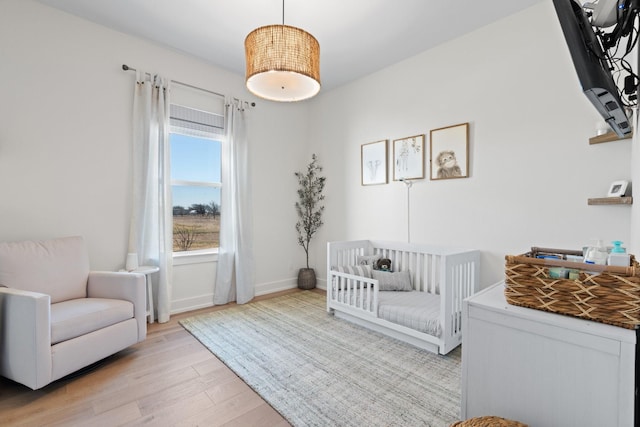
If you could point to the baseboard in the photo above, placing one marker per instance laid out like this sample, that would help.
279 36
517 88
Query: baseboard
193 303
283 285
204 301
271 287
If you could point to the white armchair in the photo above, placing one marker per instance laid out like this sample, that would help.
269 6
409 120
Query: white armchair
56 316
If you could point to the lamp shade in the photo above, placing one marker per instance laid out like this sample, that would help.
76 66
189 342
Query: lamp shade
283 63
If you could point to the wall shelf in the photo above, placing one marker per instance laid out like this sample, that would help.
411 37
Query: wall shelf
607 137
610 201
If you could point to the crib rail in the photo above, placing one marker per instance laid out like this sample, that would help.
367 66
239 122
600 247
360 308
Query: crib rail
355 292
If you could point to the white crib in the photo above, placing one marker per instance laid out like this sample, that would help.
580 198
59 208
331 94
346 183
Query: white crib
446 275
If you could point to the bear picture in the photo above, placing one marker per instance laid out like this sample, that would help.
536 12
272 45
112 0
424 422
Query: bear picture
447 165
449 152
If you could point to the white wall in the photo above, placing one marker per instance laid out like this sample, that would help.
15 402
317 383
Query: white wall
532 169
65 135
65 143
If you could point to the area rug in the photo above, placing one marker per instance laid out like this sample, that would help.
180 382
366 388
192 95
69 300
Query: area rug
316 370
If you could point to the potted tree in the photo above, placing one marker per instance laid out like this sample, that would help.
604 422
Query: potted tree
309 208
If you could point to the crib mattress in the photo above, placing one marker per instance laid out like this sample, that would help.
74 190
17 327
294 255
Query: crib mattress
415 310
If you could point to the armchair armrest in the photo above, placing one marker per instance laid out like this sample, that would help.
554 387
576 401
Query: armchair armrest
25 337
122 285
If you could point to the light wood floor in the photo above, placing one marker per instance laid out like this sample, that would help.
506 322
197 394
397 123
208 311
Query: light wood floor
170 379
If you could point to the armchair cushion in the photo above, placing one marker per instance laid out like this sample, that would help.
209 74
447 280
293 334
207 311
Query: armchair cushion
123 286
58 267
73 318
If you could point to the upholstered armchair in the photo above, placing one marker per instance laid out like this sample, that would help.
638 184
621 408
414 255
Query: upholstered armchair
56 316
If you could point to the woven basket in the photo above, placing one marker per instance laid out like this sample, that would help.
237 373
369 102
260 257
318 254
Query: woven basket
488 421
603 294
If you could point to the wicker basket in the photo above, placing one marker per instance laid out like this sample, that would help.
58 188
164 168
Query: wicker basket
488 421
603 294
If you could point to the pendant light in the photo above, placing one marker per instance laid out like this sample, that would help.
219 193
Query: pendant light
283 63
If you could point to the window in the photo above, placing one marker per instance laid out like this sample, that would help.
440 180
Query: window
196 153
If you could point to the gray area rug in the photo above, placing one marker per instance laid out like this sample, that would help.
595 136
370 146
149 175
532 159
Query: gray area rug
317 370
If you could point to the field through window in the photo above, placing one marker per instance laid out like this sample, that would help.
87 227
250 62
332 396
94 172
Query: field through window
194 231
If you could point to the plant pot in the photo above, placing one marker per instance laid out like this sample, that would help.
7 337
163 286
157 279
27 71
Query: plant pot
306 278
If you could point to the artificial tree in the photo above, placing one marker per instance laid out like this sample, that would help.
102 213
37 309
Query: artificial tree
309 208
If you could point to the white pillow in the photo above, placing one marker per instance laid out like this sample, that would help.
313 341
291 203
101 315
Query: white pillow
397 281
356 270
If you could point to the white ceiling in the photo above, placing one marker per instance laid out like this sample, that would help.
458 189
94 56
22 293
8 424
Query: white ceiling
357 37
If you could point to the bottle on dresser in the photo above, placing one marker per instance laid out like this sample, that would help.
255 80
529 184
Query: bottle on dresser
619 255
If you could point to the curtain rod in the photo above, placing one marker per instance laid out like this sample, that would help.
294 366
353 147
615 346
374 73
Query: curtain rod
125 67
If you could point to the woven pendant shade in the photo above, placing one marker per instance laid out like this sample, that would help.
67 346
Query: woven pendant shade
283 63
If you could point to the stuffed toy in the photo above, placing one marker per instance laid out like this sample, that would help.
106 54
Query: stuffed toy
383 264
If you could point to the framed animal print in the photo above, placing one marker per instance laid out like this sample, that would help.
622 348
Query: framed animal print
373 167
408 158
449 152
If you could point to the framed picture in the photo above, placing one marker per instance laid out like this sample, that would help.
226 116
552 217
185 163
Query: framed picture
618 189
449 152
408 158
374 163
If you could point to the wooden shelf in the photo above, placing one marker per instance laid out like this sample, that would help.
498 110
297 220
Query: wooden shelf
607 137
610 201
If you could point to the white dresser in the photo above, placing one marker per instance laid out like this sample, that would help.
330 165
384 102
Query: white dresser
544 369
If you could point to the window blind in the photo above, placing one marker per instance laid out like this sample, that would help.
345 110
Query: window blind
193 122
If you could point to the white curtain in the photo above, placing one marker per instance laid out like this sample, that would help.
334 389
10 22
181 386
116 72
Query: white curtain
150 235
235 273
